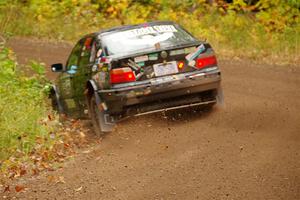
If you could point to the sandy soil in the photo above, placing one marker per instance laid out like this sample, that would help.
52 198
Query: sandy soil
249 149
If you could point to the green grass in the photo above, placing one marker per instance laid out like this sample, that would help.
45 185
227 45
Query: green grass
23 109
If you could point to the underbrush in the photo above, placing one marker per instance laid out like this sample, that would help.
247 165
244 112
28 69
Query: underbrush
268 31
23 109
31 137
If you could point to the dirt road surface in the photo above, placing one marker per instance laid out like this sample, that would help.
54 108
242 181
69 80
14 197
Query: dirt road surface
249 149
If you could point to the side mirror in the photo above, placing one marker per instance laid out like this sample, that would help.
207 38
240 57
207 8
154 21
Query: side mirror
57 67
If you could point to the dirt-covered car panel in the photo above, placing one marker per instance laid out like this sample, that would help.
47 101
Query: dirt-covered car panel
139 69
183 86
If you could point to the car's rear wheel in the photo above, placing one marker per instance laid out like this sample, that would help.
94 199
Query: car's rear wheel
95 115
101 119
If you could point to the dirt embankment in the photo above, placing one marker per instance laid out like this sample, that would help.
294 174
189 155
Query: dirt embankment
249 149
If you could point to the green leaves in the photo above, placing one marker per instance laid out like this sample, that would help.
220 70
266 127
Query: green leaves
22 105
38 68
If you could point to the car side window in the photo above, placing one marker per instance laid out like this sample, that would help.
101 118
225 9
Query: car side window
87 51
74 56
93 52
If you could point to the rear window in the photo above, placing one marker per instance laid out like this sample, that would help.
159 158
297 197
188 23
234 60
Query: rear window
145 39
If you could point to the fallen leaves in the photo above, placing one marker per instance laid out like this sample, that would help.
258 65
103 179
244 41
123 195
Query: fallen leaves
23 172
78 189
64 144
16 171
56 179
6 189
19 188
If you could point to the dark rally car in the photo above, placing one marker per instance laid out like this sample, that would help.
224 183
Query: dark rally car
135 70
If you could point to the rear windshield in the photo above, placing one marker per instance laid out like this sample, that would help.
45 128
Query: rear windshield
145 39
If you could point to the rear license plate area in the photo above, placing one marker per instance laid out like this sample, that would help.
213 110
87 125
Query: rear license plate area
163 69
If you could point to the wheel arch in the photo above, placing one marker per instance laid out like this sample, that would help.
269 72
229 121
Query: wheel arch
54 95
90 88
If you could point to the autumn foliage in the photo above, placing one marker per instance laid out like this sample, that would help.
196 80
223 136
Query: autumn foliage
267 30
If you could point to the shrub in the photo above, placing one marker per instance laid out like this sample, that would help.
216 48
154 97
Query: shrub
22 106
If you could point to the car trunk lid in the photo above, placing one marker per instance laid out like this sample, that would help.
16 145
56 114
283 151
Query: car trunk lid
165 62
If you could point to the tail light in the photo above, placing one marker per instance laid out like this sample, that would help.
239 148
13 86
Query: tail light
204 62
122 75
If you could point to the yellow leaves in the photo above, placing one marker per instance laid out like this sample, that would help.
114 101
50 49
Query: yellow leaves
173 16
110 9
239 22
115 8
11 55
40 18
55 179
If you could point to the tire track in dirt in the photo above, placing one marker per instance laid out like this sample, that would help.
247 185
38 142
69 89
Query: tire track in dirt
249 149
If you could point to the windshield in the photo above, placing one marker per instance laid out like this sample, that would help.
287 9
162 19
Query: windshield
144 39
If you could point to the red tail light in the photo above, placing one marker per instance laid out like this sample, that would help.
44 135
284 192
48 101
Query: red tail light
204 62
121 75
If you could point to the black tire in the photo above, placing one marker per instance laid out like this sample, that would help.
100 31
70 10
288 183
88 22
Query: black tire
95 116
54 103
57 107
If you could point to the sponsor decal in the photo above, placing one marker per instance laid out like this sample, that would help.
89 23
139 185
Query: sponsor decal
133 65
164 54
97 61
139 75
196 53
141 64
104 68
87 43
99 53
100 78
94 68
189 50
141 59
153 56
177 52
150 30
192 63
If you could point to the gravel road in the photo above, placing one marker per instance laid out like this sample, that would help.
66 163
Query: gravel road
248 149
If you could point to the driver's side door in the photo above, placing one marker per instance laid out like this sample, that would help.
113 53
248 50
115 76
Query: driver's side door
65 81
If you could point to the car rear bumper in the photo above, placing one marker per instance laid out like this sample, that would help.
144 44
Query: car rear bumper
164 93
